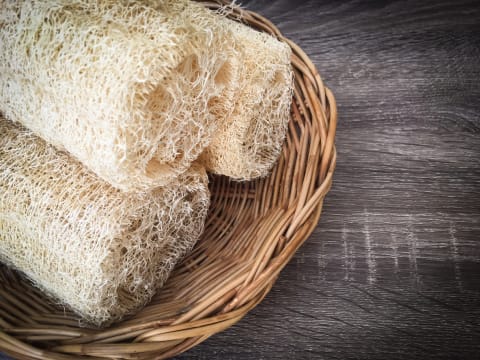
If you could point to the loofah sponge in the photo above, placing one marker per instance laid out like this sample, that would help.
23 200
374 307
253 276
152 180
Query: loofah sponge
225 77
124 86
249 140
99 250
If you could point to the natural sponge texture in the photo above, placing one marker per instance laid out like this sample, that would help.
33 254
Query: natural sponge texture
99 250
226 75
249 139
124 86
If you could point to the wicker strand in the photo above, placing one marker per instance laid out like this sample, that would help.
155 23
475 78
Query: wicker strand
253 230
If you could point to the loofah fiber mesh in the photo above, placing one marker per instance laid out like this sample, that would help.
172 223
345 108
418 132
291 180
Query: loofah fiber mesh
102 251
249 140
124 86
228 75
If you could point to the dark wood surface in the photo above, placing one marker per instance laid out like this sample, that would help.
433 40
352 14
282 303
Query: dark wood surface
393 269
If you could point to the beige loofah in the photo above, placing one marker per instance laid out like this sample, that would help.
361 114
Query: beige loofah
99 250
124 86
249 140
226 77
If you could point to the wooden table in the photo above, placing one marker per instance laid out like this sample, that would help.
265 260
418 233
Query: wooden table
393 269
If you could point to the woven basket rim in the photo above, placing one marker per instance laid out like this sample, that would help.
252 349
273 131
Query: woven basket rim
276 223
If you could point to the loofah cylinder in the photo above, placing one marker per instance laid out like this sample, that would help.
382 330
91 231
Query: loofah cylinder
99 250
249 139
124 86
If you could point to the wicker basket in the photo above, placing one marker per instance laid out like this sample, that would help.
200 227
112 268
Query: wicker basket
253 230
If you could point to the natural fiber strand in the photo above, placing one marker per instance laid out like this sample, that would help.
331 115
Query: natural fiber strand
99 250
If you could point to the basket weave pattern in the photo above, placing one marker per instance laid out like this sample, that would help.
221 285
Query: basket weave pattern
253 230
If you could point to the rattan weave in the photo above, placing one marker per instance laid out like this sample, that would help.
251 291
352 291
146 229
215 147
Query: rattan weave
253 230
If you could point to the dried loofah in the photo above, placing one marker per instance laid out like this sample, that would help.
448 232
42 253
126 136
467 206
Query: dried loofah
226 76
99 250
249 140
124 86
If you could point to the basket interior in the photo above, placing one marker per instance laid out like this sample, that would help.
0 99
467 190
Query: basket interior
252 231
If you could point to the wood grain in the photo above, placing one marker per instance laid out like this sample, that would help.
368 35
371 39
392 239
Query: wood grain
393 269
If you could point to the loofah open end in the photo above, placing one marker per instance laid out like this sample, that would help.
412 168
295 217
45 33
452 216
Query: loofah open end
250 137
